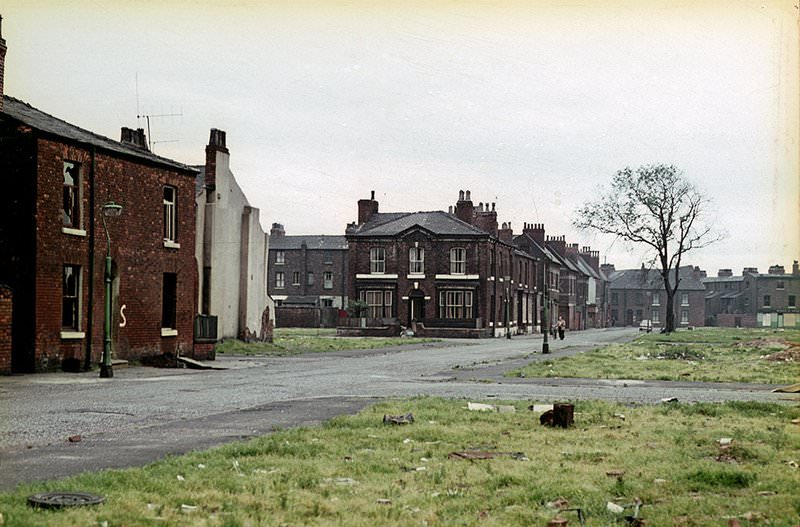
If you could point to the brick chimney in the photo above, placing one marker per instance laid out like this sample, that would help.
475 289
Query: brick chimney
607 269
136 138
505 233
776 269
216 143
485 219
464 210
277 231
750 270
2 63
367 208
698 273
591 257
557 244
724 273
535 231
795 268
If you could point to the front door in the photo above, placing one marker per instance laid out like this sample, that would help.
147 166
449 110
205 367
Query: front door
416 306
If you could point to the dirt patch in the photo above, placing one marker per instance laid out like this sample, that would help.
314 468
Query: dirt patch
789 353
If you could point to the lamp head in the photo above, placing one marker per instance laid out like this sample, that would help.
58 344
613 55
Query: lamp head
112 209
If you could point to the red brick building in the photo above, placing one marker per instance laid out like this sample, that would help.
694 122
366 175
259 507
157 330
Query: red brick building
58 178
442 273
638 294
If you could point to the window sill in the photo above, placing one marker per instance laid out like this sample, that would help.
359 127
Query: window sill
377 276
169 332
459 277
72 335
73 232
169 244
416 276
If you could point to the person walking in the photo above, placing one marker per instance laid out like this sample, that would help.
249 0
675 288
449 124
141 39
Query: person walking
562 326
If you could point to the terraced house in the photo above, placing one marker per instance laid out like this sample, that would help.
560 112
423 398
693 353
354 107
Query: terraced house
440 273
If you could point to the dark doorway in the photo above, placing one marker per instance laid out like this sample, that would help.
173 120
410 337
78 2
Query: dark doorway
629 317
416 306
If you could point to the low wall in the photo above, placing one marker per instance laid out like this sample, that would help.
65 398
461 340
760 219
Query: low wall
732 320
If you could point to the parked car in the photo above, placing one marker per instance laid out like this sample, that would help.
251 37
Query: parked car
646 325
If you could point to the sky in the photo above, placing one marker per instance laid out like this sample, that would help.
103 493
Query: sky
532 105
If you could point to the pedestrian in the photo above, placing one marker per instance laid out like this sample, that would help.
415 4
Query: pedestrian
562 325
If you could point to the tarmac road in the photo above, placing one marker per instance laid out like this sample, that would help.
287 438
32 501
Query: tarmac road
143 414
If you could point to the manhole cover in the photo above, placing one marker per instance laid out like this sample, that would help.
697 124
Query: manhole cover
56 500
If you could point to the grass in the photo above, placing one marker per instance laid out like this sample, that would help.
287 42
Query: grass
295 341
707 355
356 471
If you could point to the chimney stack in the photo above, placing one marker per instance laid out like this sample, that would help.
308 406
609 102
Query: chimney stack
724 273
367 208
750 270
136 138
505 233
2 62
776 269
216 143
795 268
277 231
465 211
535 231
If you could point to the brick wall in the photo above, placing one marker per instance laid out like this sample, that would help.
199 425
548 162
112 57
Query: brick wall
6 305
137 248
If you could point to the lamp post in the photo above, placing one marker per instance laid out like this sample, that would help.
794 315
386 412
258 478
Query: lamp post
110 209
506 314
545 322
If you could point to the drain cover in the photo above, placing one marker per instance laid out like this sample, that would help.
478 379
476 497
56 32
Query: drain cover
56 500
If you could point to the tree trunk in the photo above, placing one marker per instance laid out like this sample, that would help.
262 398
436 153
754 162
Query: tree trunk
670 327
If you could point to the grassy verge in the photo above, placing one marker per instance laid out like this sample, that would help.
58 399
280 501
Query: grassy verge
294 341
356 471
709 355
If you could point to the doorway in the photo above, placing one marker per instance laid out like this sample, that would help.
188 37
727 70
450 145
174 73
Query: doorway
416 306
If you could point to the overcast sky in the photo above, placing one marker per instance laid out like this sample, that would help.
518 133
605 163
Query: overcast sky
530 105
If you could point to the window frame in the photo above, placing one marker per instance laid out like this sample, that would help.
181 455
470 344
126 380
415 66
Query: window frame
310 278
170 210
379 302
72 192
327 280
416 260
684 299
685 316
71 292
377 260
280 280
296 278
169 302
456 304
458 261
280 257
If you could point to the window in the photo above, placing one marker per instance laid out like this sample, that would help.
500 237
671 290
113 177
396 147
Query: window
792 301
780 285
656 299
327 280
279 280
169 300
71 296
684 299
639 298
655 316
767 301
296 278
72 195
327 302
379 303
170 204
280 257
458 260
455 304
377 260
684 316
614 299
416 260
327 257
310 278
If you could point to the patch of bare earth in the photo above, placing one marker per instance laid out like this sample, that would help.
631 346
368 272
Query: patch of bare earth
789 353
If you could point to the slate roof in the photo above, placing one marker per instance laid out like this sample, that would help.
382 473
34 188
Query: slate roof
651 279
437 222
39 120
538 251
585 268
712 279
319 242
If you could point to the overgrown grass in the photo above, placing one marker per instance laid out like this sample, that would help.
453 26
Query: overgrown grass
294 341
356 471
709 355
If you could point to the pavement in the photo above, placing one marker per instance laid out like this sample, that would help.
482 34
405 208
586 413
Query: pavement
143 414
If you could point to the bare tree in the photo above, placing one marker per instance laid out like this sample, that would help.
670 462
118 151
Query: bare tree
653 205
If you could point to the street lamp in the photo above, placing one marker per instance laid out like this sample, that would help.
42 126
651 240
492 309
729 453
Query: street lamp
110 209
545 322
506 315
